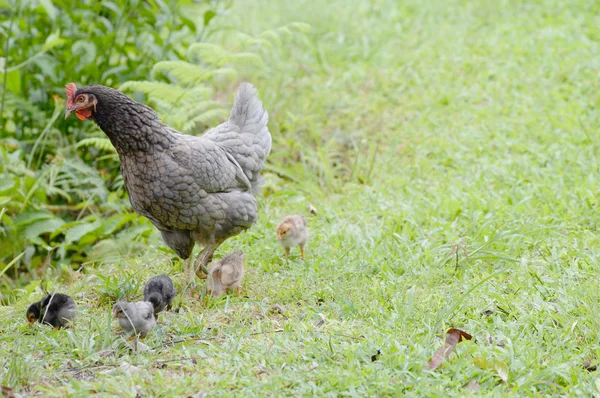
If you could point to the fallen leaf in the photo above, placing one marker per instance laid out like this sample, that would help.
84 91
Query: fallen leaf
278 309
472 386
312 209
321 321
587 365
453 337
313 366
125 367
501 369
8 392
376 356
200 394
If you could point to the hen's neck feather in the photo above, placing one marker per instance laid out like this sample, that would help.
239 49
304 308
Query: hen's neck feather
130 126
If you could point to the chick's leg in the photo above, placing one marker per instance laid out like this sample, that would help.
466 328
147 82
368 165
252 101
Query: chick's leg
302 251
287 252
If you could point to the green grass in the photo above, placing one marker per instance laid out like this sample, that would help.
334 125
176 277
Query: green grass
420 131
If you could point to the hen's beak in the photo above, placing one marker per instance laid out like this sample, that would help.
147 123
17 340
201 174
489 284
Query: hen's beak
68 112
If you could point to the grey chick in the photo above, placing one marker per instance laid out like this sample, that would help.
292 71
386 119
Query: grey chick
292 231
136 318
226 274
160 292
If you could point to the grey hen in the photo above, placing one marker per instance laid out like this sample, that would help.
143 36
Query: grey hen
136 318
226 275
193 189
159 291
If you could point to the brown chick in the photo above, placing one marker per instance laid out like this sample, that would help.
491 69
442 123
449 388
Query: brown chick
226 274
292 232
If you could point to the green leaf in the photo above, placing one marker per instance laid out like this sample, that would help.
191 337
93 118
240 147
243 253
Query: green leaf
208 16
13 81
77 232
49 8
86 50
53 40
29 217
116 222
502 370
6 184
41 227
113 7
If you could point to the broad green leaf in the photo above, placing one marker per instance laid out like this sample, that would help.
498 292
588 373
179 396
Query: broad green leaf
13 81
29 217
49 8
502 370
54 40
113 7
75 233
208 16
41 227
86 50
6 184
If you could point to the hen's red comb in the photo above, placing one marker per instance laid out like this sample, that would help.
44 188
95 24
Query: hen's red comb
70 89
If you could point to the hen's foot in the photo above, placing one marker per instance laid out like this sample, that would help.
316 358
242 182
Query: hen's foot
203 259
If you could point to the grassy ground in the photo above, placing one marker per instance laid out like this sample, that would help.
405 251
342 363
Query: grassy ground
421 132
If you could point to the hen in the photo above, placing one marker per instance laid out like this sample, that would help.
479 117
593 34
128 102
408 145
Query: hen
193 189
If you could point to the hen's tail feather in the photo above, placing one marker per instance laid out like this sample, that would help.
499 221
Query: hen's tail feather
245 135
247 108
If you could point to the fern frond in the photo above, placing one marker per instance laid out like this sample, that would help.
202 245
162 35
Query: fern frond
100 143
206 118
216 55
168 92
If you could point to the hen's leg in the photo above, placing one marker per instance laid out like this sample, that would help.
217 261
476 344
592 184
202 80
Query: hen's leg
203 259
188 275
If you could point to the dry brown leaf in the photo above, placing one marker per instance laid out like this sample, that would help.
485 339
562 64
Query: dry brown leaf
587 365
375 356
472 386
321 321
453 337
8 392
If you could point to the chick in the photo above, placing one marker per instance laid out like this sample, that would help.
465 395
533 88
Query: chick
160 292
56 309
135 318
226 274
292 232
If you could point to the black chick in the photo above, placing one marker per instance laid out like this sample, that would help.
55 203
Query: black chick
56 309
159 291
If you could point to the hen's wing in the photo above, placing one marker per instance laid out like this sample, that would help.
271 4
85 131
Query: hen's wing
209 165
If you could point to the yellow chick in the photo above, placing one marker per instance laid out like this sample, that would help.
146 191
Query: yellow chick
292 232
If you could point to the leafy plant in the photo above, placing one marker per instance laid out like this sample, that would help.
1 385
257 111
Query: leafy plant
61 193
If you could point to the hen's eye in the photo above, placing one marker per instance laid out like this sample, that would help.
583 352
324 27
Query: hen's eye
80 99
